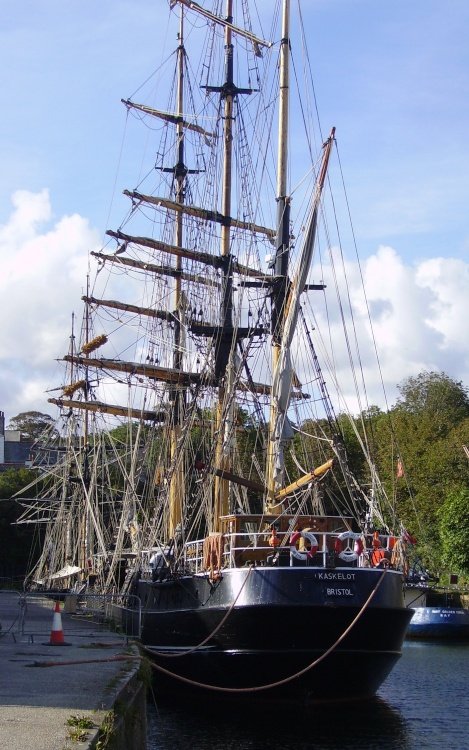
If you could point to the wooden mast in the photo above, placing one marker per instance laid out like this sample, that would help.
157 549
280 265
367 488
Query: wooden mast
86 540
286 295
281 262
222 354
176 493
69 551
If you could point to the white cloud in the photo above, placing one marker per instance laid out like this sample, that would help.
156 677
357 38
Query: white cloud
398 305
419 311
424 310
43 269
418 315
448 281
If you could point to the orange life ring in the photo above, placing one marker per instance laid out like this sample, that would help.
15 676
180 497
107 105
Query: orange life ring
307 536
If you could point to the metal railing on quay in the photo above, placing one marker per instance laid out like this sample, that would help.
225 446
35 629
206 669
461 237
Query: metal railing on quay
27 615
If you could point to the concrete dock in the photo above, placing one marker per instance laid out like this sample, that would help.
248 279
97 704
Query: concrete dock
55 697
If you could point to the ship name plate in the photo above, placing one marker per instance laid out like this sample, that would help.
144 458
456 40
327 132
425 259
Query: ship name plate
335 576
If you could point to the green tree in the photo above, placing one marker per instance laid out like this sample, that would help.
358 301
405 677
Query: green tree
32 424
13 480
454 530
434 394
426 429
16 542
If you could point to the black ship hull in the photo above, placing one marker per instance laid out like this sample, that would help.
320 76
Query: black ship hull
300 632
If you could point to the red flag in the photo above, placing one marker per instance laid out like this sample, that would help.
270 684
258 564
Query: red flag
408 537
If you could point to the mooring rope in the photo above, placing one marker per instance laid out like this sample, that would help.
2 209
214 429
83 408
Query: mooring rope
104 660
202 643
285 680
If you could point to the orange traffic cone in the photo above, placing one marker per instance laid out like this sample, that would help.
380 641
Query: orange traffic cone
57 634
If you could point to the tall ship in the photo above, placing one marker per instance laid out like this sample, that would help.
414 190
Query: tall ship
199 472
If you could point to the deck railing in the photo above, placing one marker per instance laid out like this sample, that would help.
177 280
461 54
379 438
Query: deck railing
243 548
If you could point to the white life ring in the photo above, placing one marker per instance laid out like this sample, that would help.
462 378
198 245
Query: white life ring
350 553
305 553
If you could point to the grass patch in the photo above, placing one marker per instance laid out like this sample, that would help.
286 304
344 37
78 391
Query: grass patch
106 731
78 727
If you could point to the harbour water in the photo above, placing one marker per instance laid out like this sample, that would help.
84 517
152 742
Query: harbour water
424 704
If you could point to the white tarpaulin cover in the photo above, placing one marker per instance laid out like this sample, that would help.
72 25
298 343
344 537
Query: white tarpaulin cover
69 570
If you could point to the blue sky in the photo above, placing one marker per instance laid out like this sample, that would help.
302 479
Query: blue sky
392 76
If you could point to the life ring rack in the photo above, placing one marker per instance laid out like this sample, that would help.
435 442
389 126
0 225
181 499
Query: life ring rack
303 554
349 553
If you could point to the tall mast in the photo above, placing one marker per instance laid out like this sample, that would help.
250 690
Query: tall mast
69 552
86 539
224 365
222 353
286 293
281 261
178 396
